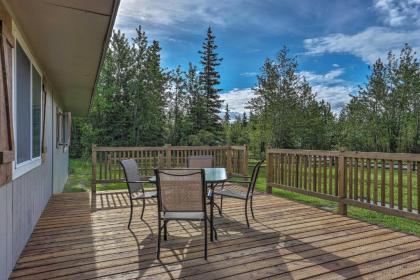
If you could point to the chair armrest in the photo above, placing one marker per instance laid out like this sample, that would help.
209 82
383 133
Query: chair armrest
240 177
141 181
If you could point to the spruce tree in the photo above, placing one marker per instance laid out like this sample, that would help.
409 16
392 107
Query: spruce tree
227 114
196 108
178 101
209 80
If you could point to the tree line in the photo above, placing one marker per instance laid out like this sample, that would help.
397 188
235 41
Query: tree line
140 103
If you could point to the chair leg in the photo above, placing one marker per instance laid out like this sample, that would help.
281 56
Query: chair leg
252 209
246 213
159 239
131 213
221 205
205 238
165 230
142 209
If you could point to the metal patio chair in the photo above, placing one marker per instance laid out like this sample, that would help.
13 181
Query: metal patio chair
200 161
181 196
203 162
135 186
248 195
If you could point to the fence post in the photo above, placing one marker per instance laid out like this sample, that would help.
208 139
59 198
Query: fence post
342 207
93 184
168 156
229 160
245 163
269 165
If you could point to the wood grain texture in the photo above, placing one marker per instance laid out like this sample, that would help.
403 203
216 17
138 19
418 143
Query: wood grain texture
287 240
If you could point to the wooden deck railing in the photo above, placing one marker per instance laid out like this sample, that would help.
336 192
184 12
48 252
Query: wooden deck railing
384 182
106 167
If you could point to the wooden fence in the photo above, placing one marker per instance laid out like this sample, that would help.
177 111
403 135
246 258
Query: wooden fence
106 167
384 182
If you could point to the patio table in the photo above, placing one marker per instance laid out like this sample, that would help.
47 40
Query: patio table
213 177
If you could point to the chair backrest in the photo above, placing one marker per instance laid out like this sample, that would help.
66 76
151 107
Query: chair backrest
181 190
200 161
131 172
254 176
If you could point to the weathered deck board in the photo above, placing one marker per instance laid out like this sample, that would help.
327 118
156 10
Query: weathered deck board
287 240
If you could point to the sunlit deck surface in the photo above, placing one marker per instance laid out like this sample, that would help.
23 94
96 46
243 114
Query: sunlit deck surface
287 240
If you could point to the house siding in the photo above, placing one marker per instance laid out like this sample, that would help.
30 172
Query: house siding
61 161
23 200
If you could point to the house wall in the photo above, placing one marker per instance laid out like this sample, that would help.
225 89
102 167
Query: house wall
60 159
24 198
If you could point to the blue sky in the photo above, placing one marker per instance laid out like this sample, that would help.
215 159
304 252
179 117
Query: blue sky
334 40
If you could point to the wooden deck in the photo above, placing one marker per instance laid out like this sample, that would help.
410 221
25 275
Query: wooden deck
288 240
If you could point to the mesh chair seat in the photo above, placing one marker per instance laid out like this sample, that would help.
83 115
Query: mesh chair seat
181 196
248 195
135 185
183 215
231 193
200 161
140 195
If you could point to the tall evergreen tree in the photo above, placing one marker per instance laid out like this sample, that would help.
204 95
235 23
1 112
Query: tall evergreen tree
284 109
178 101
196 107
110 114
226 117
209 80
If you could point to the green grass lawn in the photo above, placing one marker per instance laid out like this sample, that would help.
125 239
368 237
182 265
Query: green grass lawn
80 179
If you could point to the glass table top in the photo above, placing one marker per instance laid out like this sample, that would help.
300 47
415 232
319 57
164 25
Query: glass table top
213 175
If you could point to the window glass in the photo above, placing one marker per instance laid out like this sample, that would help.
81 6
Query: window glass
36 113
23 106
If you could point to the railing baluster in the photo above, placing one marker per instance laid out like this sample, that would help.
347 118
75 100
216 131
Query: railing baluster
362 179
314 170
330 175
410 186
356 178
325 174
418 187
400 186
375 186
391 184
383 190
350 178
368 180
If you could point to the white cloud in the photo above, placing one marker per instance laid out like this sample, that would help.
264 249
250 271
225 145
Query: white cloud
402 25
237 99
335 65
330 87
337 95
248 74
327 78
169 13
399 12
369 45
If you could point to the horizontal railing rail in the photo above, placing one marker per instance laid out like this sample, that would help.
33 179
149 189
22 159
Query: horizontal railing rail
383 182
106 167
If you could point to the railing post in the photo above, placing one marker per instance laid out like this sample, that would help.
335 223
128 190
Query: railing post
168 156
93 184
229 160
342 206
245 163
269 167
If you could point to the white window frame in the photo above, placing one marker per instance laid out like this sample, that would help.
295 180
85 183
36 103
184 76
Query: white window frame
22 168
62 122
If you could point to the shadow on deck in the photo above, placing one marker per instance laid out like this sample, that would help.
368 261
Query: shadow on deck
287 240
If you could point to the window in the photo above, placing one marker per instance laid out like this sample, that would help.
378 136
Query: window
36 113
28 109
63 128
